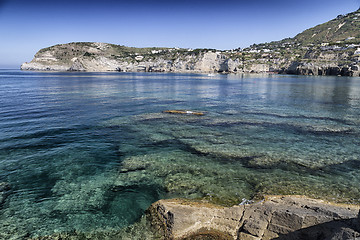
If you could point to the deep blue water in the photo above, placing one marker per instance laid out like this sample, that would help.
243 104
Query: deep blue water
90 152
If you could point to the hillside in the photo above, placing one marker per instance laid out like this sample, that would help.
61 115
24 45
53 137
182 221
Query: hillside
341 29
331 48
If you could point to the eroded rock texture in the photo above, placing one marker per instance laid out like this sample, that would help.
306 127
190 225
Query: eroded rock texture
278 217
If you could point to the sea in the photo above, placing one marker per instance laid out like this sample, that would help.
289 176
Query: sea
85 154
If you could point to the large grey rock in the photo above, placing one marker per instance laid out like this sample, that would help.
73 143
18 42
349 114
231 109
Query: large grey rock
176 219
278 217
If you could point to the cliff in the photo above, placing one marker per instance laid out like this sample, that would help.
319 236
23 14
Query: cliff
331 48
101 57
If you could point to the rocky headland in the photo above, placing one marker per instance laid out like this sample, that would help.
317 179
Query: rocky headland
331 48
102 57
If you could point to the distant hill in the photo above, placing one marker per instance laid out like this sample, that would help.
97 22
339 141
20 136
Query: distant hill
331 48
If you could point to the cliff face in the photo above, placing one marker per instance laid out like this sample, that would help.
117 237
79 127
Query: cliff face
109 57
295 59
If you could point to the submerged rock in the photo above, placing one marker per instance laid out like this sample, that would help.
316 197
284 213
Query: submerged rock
189 112
139 230
225 158
184 174
280 217
4 191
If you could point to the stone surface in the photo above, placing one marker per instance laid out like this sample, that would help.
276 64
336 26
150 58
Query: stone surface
277 217
179 218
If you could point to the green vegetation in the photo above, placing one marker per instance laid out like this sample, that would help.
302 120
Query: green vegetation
87 54
338 29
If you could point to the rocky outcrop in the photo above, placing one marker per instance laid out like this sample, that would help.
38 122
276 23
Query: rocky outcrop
257 68
277 217
300 68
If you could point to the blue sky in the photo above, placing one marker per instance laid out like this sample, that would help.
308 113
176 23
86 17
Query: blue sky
27 26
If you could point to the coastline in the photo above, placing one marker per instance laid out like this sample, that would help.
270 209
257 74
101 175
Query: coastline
105 57
210 74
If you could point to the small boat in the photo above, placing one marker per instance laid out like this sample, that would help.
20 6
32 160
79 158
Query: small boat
211 75
184 112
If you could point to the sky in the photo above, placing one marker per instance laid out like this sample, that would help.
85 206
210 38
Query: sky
26 26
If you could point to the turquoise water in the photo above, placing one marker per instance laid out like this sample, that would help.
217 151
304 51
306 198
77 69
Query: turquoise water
89 152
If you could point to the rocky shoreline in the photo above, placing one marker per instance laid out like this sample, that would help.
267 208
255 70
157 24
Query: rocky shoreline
276 217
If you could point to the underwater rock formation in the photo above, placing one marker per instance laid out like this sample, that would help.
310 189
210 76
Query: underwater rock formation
4 191
200 157
139 230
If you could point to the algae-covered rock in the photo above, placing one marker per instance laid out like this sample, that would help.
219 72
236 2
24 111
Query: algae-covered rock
227 157
185 174
249 138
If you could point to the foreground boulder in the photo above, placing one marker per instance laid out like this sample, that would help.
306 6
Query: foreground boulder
277 217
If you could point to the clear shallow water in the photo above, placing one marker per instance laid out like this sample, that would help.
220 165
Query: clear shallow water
89 152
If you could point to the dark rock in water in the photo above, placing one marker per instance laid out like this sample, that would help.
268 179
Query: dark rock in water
278 217
125 188
4 191
189 112
4 186
126 170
